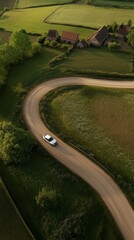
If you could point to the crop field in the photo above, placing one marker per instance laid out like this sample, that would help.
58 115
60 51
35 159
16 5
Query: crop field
11 227
99 60
89 16
37 3
32 20
98 121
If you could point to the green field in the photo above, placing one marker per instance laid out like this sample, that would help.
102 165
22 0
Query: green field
11 226
89 16
36 3
99 60
98 121
32 21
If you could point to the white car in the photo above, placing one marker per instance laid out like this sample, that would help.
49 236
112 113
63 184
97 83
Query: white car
50 140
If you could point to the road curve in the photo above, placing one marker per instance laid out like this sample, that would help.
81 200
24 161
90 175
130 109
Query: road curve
108 190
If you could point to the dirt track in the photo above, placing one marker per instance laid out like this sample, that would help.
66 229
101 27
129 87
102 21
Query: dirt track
108 190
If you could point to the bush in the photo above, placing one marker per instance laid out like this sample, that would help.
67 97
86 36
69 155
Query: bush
36 48
48 199
113 45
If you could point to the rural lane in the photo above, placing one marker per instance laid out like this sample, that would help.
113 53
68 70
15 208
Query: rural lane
95 176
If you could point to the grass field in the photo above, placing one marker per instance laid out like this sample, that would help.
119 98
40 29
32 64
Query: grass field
42 170
32 21
11 226
36 3
99 60
89 16
98 121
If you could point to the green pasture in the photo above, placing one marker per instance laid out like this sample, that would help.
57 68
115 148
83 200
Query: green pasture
89 16
32 20
36 3
98 121
11 226
99 60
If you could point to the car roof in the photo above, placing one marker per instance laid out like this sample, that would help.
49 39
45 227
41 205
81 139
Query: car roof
47 136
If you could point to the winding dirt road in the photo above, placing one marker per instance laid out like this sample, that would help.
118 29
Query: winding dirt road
108 190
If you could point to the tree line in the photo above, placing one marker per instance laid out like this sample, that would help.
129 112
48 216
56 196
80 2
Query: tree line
18 48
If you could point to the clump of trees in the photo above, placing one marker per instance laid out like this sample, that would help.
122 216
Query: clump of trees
19 48
15 144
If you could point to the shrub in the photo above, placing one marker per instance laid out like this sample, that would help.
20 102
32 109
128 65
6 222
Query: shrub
113 45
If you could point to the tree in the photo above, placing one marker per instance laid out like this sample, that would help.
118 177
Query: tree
114 26
21 42
15 144
129 23
130 38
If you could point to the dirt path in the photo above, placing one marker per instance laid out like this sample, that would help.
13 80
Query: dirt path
108 190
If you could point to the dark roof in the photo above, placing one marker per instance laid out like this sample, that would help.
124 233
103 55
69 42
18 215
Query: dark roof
53 33
123 30
101 34
84 43
70 36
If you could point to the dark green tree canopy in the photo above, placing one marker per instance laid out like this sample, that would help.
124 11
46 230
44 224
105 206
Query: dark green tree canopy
15 144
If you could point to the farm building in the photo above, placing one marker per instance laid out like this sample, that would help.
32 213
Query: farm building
69 37
52 35
99 37
123 30
82 44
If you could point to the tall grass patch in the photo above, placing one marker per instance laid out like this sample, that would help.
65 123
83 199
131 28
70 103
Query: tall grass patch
100 122
89 16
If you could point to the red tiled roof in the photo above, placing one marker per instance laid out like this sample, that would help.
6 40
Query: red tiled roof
70 36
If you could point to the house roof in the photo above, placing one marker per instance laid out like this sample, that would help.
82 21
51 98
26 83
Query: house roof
123 30
83 42
100 35
70 36
53 33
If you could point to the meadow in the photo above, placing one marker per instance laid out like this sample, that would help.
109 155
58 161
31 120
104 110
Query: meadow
43 170
37 3
11 226
89 16
98 121
99 60
32 20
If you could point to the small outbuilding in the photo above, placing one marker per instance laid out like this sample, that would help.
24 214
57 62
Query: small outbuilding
123 30
69 37
82 44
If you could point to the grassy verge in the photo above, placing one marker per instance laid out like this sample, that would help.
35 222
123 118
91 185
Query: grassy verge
100 122
24 182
